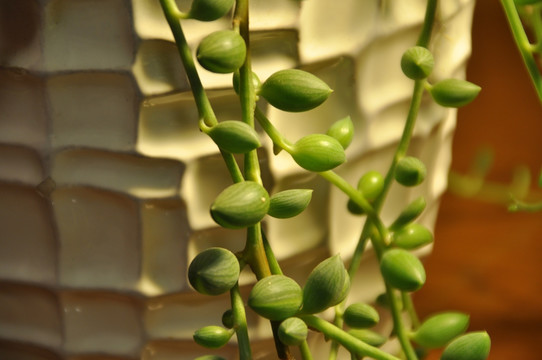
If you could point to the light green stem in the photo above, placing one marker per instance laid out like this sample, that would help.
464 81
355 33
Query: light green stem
240 324
351 343
272 132
523 44
410 309
203 104
305 351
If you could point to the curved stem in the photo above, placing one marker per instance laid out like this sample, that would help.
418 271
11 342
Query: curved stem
240 324
523 44
351 343
399 327
305 351
425 35
272 132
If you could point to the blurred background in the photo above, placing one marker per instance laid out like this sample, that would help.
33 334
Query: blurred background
487 261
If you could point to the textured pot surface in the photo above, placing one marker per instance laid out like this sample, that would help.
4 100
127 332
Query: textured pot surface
106 182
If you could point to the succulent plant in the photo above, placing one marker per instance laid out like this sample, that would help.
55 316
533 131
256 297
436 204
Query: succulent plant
276 297
214 271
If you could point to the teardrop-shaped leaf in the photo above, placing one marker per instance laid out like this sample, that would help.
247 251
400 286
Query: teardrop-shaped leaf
412 236
212 337
240 205
292 331
360 315
294 90
327 285
209 10
439 329
343 131
371 184
214 271
402 270
454 92
410 171
289 203
417 63
318 152
235 137
222 51
276 297
471 346
410 213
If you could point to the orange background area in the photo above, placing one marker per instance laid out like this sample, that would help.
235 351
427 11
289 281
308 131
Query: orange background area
486 261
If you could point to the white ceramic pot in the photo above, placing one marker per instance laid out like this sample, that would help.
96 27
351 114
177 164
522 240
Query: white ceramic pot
105 180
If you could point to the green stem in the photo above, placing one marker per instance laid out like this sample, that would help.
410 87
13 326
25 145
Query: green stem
203 104
352 344
272 132
271 259
305 351
399 326
240 324
524 46
410 309
536 19
425 35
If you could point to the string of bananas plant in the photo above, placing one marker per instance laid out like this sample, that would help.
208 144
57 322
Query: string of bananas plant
291 309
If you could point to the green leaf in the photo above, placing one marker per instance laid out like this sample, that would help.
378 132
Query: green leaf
214 271
240 205
222 52
294 90
402 270
439 329
289 203
371 184
412 236
417 63
360 315
343 131
292 331
212 337
454 92
471 346
209 10
410 171
235 137
276 297
327 285
318 152
410 213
